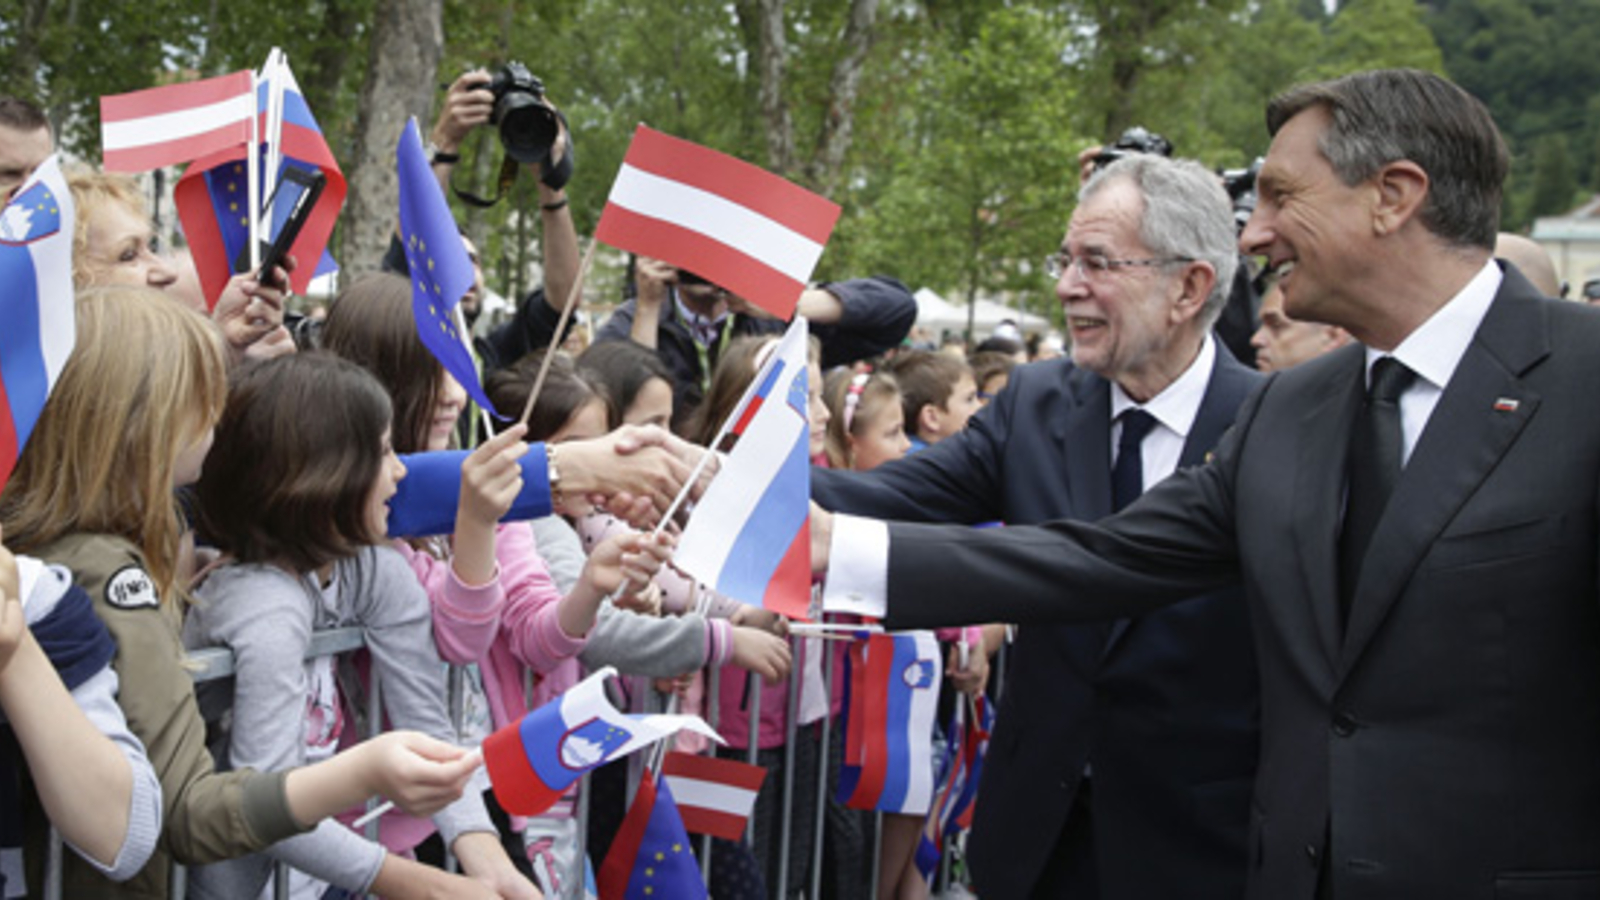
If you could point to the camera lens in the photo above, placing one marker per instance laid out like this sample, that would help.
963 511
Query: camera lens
527 127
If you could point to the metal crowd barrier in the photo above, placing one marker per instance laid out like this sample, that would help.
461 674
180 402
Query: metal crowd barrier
214 664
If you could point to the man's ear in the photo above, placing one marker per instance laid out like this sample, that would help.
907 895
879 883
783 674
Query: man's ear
1195 286
1402 188
927 420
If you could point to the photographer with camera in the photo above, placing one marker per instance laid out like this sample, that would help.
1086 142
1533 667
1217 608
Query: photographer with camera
534 136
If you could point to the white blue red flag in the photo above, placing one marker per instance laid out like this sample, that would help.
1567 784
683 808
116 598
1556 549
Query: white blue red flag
750 535
165 126
212 196
732 223
40 323
891 698
532 762
956 788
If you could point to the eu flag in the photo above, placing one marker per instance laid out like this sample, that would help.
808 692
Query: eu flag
441 271
650 858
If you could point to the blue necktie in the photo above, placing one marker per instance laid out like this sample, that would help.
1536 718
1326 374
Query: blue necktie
1127 474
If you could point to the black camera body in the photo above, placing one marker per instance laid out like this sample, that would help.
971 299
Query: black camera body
527 123
1135 140
1241 187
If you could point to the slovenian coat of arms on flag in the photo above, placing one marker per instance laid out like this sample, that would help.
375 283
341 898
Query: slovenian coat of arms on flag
891 698
533 761
750 536
732 223
36 229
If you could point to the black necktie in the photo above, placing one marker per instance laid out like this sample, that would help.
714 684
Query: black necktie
1127 474
1376 450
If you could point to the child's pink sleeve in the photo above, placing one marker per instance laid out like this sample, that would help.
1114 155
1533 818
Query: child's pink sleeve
533 603
465 618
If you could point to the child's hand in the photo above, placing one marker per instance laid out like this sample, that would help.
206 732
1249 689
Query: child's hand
484 860
761 652
491 477
763 619
420 774
970 680
646 601
628 559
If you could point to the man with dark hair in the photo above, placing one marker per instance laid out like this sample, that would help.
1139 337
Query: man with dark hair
1118 745
25 141
1414 519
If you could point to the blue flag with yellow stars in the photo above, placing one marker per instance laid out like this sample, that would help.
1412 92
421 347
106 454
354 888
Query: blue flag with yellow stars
650 858
441 271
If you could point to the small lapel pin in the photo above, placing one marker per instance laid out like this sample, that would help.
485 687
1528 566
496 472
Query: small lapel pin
1506 404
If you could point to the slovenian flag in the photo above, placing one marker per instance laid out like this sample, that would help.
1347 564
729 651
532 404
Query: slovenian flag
732 223
531 763
891 697
212 196
40 330
650 859
750 535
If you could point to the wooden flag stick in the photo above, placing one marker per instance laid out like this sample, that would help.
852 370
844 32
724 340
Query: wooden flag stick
561 326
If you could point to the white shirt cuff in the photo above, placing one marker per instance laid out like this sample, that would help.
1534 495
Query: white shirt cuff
858 568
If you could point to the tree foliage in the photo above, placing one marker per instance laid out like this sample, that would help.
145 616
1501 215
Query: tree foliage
948 129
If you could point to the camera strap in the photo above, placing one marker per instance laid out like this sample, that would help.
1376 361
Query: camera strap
508 175
555 177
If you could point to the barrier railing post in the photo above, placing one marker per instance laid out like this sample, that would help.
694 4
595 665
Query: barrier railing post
713 714
54 864
824 755
753 740
791 731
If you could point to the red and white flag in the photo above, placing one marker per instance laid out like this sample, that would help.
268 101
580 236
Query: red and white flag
714 796
165 126
732 223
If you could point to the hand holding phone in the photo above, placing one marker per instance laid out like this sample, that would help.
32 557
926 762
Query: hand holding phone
285 214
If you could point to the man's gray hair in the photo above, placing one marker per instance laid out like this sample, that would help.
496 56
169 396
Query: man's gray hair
1187 213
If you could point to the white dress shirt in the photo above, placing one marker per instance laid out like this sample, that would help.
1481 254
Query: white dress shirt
858 554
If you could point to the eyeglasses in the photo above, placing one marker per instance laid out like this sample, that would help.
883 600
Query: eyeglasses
1094 266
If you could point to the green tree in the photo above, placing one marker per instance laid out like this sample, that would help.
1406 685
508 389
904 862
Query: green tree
978 190
1555 184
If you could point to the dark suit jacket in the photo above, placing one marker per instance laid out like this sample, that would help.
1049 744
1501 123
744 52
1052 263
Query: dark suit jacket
1450 741
1166 711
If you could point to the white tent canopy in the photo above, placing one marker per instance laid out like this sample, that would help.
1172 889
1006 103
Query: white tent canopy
938 314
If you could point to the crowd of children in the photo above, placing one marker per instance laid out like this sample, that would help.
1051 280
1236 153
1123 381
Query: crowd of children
246 502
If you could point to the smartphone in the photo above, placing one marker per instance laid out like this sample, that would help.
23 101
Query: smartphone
285 214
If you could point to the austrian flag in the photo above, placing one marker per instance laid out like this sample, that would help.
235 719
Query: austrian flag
729 222
177 123
715 796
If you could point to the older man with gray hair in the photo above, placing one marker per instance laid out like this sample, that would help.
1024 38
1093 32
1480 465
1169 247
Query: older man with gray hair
1123 753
